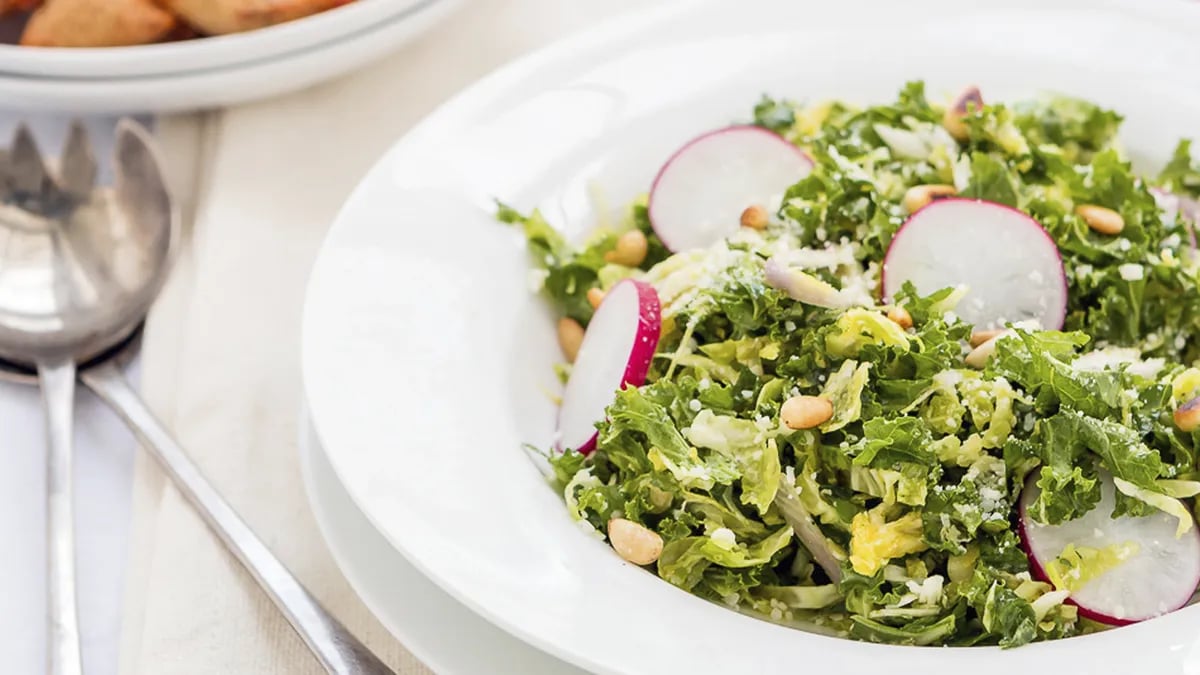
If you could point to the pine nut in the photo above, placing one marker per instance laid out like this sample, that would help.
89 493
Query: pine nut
570 336
900 317
595 296
1101 219
630 251
979 356
633 542
805 412
919 196
755 217
981 336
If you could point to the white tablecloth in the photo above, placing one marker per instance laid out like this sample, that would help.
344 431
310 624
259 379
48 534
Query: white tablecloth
103 469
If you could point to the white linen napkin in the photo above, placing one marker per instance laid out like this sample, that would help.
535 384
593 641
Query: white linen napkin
222 349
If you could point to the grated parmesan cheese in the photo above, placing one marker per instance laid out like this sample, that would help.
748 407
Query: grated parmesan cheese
1131 272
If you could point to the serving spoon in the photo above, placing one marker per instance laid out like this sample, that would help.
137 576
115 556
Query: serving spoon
96 279
58 306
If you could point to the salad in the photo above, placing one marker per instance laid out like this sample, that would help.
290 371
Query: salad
911 373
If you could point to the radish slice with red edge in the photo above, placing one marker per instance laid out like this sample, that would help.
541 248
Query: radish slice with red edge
1160 576
698 196
616 352
1009 264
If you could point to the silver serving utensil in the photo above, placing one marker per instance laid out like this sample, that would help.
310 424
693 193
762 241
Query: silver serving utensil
113 267
50 319
122 355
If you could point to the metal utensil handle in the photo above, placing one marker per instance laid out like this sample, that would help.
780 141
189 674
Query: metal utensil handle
58 393
334 646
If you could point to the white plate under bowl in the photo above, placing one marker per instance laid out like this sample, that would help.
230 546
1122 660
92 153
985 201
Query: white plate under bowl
186 56
428 622
238 82
426 359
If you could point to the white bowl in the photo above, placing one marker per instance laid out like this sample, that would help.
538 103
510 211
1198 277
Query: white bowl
426 359
216 71
201 54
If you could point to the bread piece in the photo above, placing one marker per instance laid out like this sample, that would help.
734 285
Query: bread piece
97 23
15 6
218 17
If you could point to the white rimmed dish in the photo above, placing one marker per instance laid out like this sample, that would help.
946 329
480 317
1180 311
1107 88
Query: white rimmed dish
427 621
194 80
426 359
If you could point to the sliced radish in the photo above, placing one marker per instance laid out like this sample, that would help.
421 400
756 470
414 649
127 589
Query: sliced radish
616 352
1159 577
698 196
1009 264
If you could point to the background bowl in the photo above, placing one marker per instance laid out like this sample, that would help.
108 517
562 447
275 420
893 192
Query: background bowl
212 71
